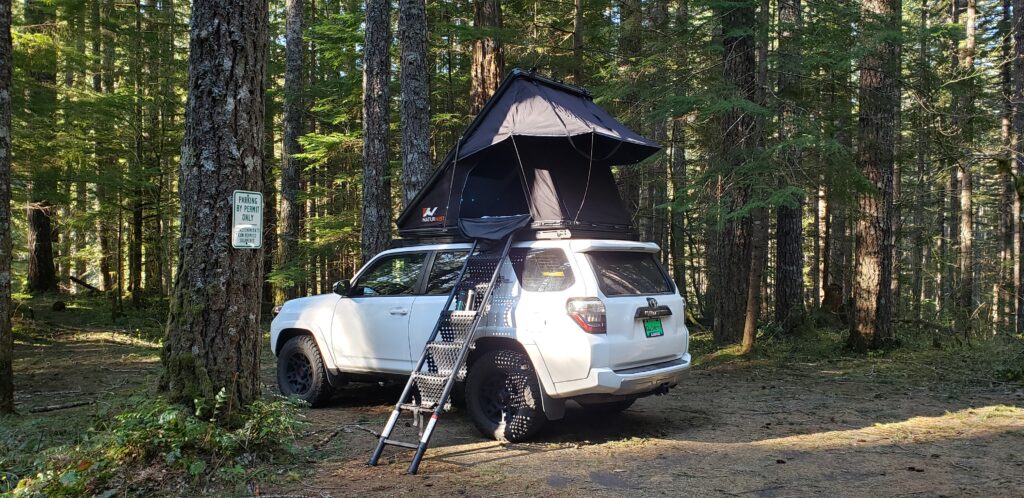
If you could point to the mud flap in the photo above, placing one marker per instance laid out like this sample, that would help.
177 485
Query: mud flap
554 409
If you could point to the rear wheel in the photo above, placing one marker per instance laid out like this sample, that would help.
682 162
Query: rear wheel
301 372
503 396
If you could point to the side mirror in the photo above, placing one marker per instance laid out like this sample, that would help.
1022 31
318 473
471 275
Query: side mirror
341 287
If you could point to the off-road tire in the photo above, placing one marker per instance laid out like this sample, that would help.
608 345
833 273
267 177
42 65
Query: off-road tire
301 372
503 396
609 407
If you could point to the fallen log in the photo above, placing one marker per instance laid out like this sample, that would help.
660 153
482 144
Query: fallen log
83 283
64 406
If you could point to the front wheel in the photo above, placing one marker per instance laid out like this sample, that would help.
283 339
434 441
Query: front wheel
503 396
301 372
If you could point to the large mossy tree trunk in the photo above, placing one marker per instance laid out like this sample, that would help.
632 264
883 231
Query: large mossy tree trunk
412 34
6 337
376 97
213 333
879 104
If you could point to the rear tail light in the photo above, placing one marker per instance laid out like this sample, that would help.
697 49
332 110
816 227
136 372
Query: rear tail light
588 313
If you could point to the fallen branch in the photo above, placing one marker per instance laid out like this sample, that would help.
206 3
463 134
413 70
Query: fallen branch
83 283
53 408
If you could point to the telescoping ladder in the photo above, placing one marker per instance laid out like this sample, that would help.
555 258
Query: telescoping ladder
443 362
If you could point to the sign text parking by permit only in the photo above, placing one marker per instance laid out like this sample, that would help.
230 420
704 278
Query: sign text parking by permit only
246 220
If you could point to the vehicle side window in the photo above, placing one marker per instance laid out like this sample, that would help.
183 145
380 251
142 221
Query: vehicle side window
542 270
390 276
445 271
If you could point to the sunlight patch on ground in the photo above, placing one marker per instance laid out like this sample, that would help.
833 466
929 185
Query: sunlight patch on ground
966 423
109 337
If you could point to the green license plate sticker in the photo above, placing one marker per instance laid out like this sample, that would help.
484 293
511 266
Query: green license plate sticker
652 327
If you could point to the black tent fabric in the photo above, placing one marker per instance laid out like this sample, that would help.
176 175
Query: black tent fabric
493 228
539 148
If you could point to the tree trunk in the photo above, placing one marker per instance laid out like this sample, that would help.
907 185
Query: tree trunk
758 254
376 99
293 129
213 333
1018 151
270 203
412 34
789 276
965 294
879 101
42 102
106 165
922 138
739 130
577 41
488 64
1002 304
6 336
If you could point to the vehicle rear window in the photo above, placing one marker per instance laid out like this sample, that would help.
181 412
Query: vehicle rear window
542 270
629 273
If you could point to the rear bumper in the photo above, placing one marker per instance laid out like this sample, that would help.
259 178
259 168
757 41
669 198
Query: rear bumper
633 381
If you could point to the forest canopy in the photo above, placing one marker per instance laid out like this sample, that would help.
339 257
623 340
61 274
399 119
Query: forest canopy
765 110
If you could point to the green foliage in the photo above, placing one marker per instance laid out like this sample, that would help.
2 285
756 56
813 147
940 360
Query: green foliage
160 435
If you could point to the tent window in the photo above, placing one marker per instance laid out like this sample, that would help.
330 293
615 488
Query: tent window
493 191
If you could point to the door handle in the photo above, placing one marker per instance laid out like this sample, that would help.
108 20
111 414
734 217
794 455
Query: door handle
399 311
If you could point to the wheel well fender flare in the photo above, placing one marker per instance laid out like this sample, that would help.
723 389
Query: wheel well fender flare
554 409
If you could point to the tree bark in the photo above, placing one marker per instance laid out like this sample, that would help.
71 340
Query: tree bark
213 333
577 40
758 255
1018 151
488 64
293 129
879 102
376 98
922 145
739 130
965 294
1002 303
789 274
412 34
42 102
106 164
6 336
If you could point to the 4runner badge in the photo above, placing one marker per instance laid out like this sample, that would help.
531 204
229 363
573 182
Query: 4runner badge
430 215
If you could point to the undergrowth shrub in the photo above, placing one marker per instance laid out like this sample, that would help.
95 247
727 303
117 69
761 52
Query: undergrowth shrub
161 442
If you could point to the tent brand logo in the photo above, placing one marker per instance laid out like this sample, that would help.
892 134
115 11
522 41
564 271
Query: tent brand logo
430 215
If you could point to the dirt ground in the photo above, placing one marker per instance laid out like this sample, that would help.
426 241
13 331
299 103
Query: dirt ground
845 427
729 430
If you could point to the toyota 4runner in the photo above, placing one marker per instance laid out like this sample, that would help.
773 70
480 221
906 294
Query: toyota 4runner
598 322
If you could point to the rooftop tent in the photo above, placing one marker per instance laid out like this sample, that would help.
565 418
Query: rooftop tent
539 147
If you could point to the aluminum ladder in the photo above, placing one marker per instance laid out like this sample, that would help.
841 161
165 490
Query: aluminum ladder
443 361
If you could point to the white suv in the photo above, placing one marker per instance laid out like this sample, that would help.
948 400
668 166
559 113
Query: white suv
598 322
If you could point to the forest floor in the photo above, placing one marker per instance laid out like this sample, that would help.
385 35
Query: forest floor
798 418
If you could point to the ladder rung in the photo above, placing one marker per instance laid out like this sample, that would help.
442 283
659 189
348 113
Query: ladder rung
416 408
456 345
403 444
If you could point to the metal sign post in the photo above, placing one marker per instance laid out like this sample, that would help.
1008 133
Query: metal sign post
246 219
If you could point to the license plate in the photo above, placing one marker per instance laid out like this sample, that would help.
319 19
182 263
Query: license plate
652 327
